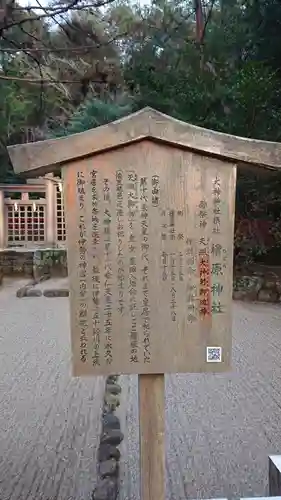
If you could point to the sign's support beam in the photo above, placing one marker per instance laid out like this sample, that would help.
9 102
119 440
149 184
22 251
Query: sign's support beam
152 436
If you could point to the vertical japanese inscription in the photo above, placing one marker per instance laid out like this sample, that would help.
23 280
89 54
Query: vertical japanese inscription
203 214
181 266
145 308
218 254
172 229
216 205
164 265
173 304
172 261
82 268
107 229
191 288
132 285
164 226
204 263
155 190
95 271
217 250
173 290
204 278
147 237
120 239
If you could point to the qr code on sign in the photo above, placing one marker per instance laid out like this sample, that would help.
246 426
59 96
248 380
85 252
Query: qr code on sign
214 354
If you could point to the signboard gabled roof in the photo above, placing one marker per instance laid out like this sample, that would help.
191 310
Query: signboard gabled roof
39 158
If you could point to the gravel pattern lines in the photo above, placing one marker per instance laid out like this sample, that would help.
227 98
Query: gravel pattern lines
49 421
220 428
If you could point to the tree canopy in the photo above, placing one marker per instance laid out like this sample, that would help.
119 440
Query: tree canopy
76 64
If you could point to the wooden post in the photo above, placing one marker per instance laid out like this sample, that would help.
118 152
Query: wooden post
50 211
152 436
2 220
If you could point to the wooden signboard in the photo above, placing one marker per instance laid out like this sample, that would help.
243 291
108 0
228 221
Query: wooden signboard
149 205
150 238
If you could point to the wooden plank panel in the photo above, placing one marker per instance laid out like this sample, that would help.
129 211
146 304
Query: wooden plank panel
150 266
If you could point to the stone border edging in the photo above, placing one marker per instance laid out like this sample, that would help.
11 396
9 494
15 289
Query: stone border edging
28 290
56 292
107 487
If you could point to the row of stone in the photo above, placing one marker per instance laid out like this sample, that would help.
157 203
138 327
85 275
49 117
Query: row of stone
257 288
29 291
252 288
107 486
31 263
263 295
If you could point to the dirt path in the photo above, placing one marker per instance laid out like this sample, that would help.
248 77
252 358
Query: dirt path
220 428
49 422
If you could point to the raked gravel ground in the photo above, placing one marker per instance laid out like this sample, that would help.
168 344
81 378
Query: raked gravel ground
49 422
220 429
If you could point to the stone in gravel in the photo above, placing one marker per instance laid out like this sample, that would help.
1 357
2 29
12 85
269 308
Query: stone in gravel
267 295
44 277
113 388
239 294
33 292
60 292
270 285
111 379
108 468
21 292
110 421
107 451
106 489
112 401
112 436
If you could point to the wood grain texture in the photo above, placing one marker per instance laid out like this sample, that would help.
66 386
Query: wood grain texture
41 157
158 330
152 436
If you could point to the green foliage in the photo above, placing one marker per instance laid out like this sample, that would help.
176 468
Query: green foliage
230 82
93 113
14 109
49 257
204 90
254 99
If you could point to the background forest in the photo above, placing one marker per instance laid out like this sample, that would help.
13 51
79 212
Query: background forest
74 64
